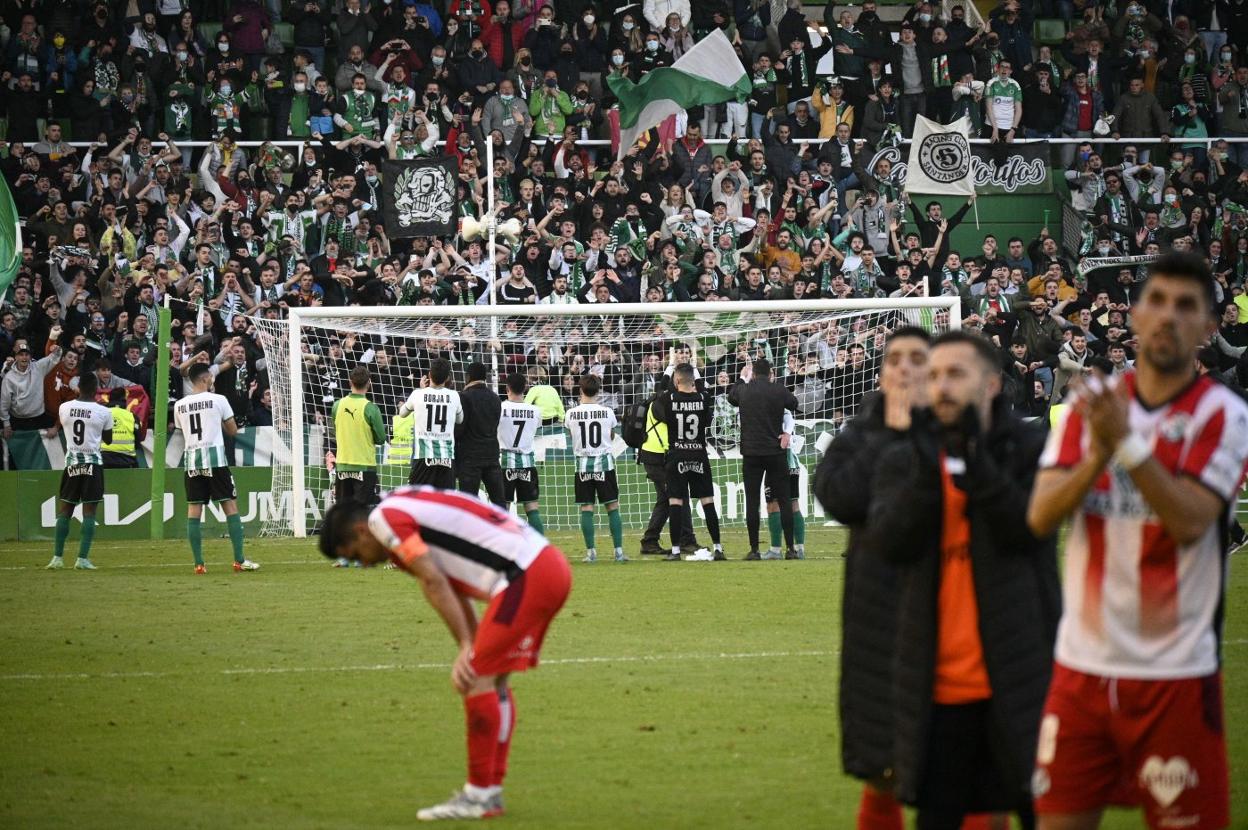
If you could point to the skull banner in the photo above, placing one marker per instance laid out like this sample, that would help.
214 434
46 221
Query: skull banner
419 197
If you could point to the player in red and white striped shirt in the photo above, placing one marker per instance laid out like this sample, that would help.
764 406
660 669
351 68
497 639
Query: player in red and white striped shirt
461 549
1147 467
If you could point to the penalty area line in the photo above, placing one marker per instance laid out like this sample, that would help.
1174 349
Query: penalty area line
399 667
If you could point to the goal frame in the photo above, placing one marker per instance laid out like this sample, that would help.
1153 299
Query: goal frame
298 316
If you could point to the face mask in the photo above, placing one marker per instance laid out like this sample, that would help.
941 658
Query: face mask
627 25
437 61
551 83
371 179
1175 164
1103 250
589 19
1189 59
618 60
223 47
674 27
478 53
58 41
925 18
1143 53
1173 198
1226 57
183 55
226 89
652 46
359 93
525 61
506 99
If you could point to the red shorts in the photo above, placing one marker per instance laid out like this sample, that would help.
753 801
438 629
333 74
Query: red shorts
1155 743
510 633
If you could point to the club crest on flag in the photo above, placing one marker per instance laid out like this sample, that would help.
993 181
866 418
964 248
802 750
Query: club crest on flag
945 157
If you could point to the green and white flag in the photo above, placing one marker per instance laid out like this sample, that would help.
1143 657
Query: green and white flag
709 73
10 239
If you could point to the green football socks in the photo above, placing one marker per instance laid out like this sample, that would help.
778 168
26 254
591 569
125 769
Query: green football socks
799 527
235 525
617 528
62 533
587 527
535 520
88 533
195 537
774 529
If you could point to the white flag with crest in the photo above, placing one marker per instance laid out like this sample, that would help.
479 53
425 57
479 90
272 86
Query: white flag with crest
940 158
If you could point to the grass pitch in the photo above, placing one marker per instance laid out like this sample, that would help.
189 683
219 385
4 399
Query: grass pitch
690 695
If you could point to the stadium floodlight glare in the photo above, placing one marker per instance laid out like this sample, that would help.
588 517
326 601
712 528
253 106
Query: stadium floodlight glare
813 345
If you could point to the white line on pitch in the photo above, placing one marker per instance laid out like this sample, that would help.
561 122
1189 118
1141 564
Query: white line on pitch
565 661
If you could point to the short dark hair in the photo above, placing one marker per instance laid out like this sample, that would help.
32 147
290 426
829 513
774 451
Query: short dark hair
683 373
1180 265
908 331
761 368
440 370
102 363
87 384
516 383
476 370
338 525
116 397
197 371
982 347
360 376
590 385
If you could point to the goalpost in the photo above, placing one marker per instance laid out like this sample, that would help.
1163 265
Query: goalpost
826 350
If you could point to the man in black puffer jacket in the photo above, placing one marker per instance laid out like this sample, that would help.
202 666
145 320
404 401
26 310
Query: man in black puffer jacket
948 510
869 608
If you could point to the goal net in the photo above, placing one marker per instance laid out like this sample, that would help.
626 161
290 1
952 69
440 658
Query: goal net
827 351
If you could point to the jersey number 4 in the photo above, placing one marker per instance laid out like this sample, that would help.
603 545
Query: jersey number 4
196 425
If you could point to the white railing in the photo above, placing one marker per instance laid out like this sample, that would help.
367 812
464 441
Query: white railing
604 142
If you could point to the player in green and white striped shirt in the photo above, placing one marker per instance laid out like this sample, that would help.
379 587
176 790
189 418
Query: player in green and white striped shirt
592 426
517 426
437 410
204 419
86 425
788 427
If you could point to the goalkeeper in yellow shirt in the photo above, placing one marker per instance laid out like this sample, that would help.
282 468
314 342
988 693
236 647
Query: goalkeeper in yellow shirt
358 432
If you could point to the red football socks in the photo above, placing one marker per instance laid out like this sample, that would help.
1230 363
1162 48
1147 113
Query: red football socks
878 811
506 726
482 713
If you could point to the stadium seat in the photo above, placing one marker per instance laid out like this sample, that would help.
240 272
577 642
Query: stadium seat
208 31
1049 32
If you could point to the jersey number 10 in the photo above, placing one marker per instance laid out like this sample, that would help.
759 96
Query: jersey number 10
591 434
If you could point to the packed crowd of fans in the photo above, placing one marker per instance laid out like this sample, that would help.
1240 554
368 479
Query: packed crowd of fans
795 205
